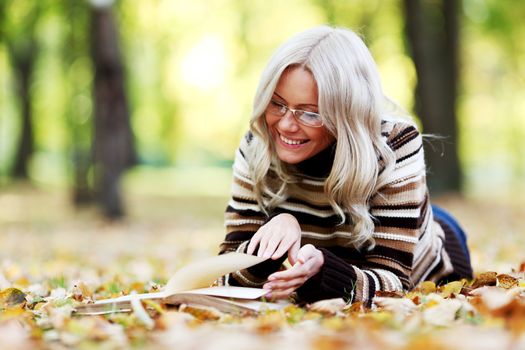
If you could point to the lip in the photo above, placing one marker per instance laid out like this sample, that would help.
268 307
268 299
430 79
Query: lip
287 145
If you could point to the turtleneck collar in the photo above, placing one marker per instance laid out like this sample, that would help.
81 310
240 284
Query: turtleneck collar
320 165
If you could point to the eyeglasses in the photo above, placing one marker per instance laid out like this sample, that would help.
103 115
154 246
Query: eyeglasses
304 117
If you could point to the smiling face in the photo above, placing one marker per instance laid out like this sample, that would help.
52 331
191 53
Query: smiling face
295 142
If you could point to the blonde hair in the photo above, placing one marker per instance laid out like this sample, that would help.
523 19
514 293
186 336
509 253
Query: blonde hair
352 104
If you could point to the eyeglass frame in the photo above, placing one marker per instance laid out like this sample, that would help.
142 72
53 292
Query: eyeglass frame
294 111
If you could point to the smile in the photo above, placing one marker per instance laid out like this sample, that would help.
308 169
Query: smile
292 142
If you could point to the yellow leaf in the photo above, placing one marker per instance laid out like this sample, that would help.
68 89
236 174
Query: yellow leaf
13 312
452 288
12 296
426 287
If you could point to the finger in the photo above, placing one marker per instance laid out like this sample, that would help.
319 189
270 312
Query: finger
293 252
271 247
265 238
305 253
285 284
282 294
295 271
254 241
281 249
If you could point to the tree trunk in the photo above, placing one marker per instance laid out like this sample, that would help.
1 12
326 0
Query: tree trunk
432 32
113 141
79 121
22 48
23 65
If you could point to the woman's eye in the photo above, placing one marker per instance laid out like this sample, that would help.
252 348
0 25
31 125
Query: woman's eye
310 116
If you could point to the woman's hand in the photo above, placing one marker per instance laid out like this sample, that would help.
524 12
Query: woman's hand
309 262
279 235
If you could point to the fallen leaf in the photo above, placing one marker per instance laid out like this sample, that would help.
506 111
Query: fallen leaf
389 294
507 281
328 307
397 306
426 287
485 279
451 288
202 313
12 296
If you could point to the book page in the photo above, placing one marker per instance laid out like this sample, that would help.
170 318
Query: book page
231 292
203 273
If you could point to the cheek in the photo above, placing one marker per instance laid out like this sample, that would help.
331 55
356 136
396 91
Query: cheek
323 137
270 122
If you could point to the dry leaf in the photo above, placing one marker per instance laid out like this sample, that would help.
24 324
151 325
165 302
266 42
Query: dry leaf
485 279
328 307
12 296
426 287
507 281
451 288
389 294
397 306
202 313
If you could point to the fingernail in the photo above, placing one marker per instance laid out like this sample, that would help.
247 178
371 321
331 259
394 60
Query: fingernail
269 295
267 255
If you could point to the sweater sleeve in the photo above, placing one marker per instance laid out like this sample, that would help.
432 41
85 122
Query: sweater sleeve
401 214
243 217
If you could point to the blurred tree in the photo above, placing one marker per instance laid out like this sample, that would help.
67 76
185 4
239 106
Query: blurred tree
113 140
432 33
18 20
78 70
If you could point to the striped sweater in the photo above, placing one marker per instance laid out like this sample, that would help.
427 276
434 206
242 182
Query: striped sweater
410 244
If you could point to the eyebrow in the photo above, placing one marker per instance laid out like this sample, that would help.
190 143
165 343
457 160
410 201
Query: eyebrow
299 105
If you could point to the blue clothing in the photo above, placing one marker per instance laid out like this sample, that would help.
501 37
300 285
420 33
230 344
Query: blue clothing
451 225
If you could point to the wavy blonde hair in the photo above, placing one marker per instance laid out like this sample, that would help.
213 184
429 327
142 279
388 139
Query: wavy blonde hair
351 103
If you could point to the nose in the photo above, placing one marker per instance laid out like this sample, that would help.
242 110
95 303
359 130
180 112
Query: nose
288 122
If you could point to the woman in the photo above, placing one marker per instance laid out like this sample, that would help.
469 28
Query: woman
329 178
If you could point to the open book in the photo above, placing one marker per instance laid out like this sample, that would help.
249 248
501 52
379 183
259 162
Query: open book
190 286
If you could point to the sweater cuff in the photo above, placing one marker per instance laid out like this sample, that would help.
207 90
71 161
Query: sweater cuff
257 275
336 279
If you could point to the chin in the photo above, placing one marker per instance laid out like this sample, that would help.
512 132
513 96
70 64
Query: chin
290 158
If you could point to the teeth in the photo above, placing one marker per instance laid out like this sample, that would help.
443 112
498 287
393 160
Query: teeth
291 142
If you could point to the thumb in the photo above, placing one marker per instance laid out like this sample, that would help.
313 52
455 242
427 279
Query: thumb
305 253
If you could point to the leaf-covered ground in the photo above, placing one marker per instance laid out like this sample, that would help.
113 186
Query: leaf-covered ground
52 257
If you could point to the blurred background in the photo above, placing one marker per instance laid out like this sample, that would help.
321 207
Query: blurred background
126 109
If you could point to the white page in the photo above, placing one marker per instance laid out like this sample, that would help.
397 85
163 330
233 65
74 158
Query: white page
203 273
232 292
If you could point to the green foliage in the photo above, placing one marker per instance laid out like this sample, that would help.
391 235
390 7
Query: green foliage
192 68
